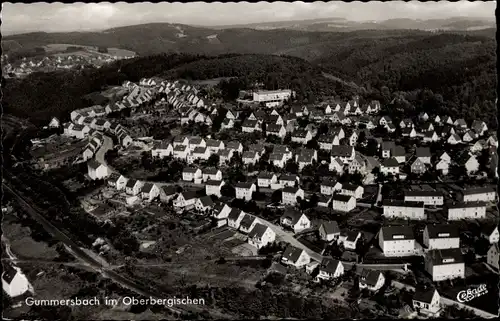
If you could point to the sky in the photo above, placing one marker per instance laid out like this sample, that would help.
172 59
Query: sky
59 17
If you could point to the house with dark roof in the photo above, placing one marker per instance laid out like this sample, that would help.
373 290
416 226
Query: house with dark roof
191 174
424 153
478 194
150 191
346 153
204 203
492 257
295 220
167 193
403 210
349 239
329 231
212 173
185 200
261 235
397 240
330 269
234 218
248 222
441 236
213 187
265 179
445 264
290 195
343 203
295 257
463 211
427 302
301 136
244 190
250 126
389 166
353 190
328 187
431 197
371 279
490 233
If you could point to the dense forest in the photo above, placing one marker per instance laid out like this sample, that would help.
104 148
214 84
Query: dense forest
408 71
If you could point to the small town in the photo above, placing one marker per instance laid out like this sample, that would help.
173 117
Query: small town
298 161
403 206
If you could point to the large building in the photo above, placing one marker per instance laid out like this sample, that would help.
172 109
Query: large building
441 236
271 97
445 264
404 210
397 240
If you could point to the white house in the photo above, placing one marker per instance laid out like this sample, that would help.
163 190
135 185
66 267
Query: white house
288 180
234 218
54 123
344 152
250 157
214 145
162 150
404 210
133 187
276 130
371 280
490 233
97 170
204 204
245 190
248 222
478 194
441 236
301 136
349 239
185 200
295 220
492 257
470 163
290 194
295 257
150 191
343 203
397 240
328 187
434 198
167 193
118 182
181 152
469 210
14 282
213 187
336 165
427 302
265 179
261 235
454 139
355 191
329 231
212 174
445 264
330 269
191 174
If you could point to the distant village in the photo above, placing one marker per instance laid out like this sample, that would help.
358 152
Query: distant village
412 178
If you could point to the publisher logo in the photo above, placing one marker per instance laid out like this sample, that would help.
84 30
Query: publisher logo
470 294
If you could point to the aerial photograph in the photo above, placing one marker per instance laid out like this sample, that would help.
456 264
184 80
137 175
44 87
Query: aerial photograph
249 161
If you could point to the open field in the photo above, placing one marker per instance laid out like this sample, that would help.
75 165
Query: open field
122 53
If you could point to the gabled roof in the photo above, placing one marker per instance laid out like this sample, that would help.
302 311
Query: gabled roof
437 231
329 265
247 221
292 253
444 257
169 189
147 187
199 150
250 123
234 214
189 169
233 145
250 154
244 185
423 152
206 201
213 143
258 231
288 178
370 277
266 175
350 187
388 145
9 273
189 195
300 133
390 162
292 214
93 164
341 198
478 190
291 190
211 171
331 227
424 296
342 151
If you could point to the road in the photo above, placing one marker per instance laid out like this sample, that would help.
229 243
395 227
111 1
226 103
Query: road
101 152
78 253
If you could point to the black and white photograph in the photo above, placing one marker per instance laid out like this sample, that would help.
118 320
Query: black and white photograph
249 161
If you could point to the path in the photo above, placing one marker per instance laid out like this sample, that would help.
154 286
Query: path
101 152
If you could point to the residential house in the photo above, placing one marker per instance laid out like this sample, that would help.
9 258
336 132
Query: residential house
460 123
469 136
448 120
212 173
14 282
336 165
443 166
220 213
185 200
295 257
117 181
278 159
162 150
288 180
479 127
441 236
199 153
231 114
181 152
330 269
478 146
244 190
225 156
384 121
427 302
97 170
265 179
430 137
213 187
372 280
227 124
390 166
355 191
329 231
445 264
357 165
214 145
261 235
195 142
424 153
133 187
301 136
387 148
235 146
403 210
492 256
399 153
167 193
323 200
344 152
428 197
326 142
343 203
250 157
437 119
470 163
328 187
409 132
250 126
290 195
466 210
397 240
417 166
295 220
492 140
191 174
478 194
180 140
406 123
454 139
150 191
490 233
277 130
306 157
234 218
248 223
423 116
